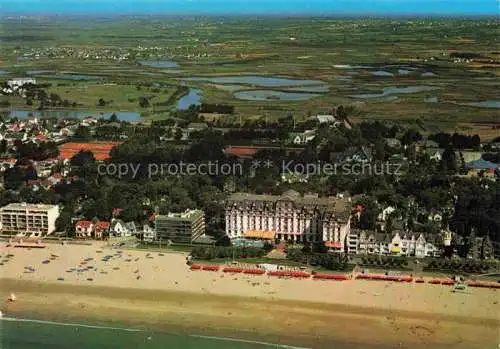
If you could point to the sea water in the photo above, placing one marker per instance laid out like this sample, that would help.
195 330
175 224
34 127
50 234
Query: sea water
18 333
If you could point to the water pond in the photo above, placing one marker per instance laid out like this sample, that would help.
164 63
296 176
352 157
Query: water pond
193 97
159 63
74 77
382 73
386 91
495 104
255 80
266 95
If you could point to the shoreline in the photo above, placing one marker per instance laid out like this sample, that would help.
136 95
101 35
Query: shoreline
158 291
293 323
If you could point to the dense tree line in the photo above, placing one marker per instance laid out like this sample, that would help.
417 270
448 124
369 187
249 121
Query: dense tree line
459 266
216 108
386 262
331 261
456 141
219 252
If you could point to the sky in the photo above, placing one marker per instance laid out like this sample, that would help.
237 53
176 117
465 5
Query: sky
239 7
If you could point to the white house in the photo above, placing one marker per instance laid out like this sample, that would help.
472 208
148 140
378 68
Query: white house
398 245
420 247
122 229
435 154
148 233
435 217
386 212
325 119
16 83
304 137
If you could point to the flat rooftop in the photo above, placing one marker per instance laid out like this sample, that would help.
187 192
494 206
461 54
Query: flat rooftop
26 206
187 215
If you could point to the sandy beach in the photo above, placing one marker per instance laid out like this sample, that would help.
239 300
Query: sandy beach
159 291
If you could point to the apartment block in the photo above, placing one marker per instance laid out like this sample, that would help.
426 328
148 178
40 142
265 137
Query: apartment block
180 227
29 218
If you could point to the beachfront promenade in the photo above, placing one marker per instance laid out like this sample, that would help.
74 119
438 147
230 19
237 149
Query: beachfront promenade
96 277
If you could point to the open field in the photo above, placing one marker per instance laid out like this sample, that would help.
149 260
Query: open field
305 312
117 97
384 59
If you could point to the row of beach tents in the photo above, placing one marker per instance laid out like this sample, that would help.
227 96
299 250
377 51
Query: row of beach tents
338 277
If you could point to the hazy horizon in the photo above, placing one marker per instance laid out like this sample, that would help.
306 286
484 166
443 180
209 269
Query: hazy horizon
255 7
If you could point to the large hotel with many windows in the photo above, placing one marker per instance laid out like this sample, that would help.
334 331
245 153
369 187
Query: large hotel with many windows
289 217
28 218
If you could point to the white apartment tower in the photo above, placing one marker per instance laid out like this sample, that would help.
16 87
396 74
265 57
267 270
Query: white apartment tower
29 218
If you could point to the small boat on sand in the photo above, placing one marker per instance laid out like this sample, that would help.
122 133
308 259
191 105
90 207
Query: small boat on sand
12 297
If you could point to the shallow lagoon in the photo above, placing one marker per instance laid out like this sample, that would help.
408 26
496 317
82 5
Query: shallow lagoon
484 104
193 97
395 90
382 73
263 81
266 95
159 63
38 72
74 77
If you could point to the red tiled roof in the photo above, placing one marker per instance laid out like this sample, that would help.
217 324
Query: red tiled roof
102 224
100 150
333 244
240 151
83 224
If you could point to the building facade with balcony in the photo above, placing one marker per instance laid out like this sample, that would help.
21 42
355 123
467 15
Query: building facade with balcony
29 218
291 216
397 244
180 227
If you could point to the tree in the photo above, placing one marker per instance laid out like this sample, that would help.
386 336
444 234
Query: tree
341 113
4 104
144 102
449 161
113 118
101 102
63 222
82 158
410 137
82 132
178 134
379 150
3 146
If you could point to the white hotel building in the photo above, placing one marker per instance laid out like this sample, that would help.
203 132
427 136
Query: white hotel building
28 218
291 217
